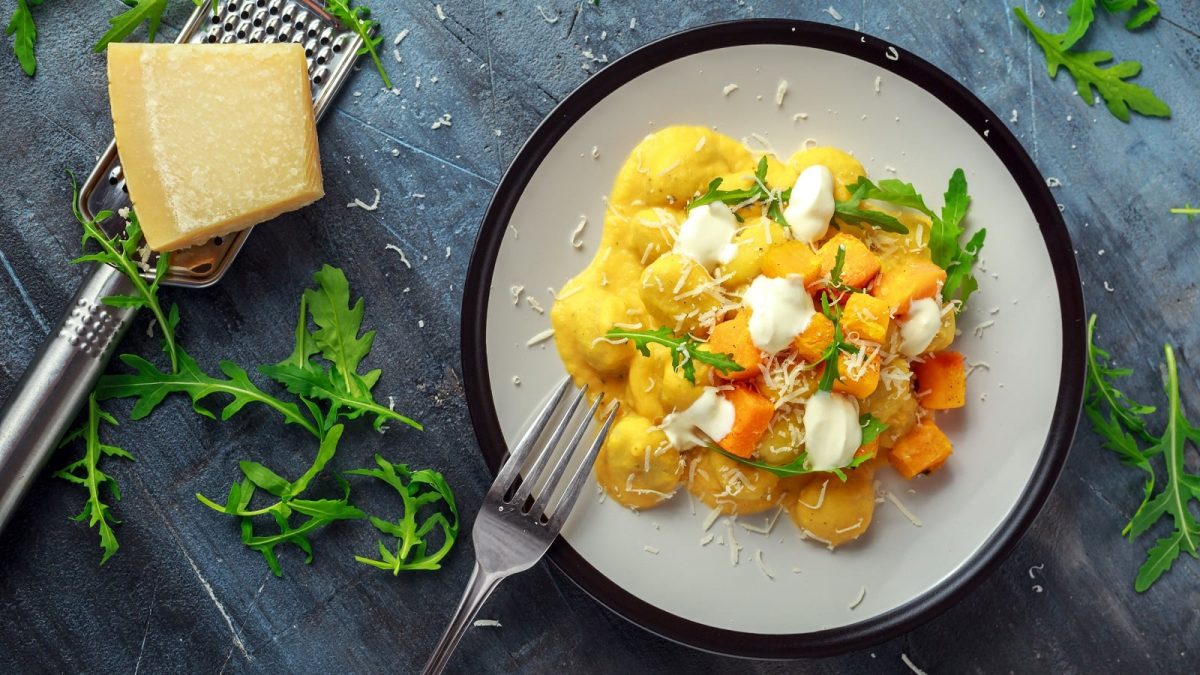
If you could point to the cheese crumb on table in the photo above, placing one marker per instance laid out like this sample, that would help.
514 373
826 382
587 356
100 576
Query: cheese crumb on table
360 204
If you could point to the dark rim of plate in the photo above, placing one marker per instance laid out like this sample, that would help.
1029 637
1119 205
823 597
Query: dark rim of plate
1058 244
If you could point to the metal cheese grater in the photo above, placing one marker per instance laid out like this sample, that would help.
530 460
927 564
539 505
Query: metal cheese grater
65 369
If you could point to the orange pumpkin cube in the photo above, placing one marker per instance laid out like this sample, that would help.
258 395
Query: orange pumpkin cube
941 380
859 381
921 450
860 266
732 337
913 281
792 257
866 316
815 339
752 414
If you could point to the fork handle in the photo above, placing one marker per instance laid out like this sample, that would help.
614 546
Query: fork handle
55 384
479 588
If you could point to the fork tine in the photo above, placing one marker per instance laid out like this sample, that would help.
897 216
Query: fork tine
508 471
551 484
547 451
571 494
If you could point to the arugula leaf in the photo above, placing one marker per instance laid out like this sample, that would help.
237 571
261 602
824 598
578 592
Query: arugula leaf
337 341
416 489
829 374
122 25
1100 389
24 32
1120 421
86 472
1187 210
320 512
852 212
358 19
944 235
799 466
150 386
685 350
120 253
1180 489
758 193
1139 18
1120 96
1080 15
835 282
871 427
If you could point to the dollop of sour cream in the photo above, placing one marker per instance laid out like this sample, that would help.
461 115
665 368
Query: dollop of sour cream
920 325
706 236
780 309
712 414
831 430
811 206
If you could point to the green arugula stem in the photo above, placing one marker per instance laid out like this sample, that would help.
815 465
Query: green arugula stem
120 259
95 511
1190 211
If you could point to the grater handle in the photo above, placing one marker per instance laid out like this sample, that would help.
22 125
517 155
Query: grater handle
55 385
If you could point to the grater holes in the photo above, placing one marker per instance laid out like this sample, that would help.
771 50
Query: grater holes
217 241
310 48
326 36
320 76
322 56
313 28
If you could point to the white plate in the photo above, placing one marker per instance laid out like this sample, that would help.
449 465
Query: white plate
1025 323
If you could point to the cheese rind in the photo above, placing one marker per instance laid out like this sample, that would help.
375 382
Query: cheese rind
213 138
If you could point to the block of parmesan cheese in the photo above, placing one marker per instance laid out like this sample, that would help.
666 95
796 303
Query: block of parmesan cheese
213 138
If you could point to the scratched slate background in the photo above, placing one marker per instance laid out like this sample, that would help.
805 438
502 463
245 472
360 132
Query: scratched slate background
183 595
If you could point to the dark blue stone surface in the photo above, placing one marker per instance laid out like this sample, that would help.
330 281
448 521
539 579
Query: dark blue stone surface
183 595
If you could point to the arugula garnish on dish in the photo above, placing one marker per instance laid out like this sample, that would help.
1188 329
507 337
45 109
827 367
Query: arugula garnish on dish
871 428
1085 67
686 350
832 353
758 193
1121 422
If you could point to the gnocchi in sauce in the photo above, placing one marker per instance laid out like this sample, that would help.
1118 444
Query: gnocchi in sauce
784 301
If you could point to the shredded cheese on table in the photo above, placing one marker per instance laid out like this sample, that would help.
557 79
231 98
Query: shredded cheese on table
360 204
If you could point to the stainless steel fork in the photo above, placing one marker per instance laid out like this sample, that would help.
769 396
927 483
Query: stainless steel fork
509 537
